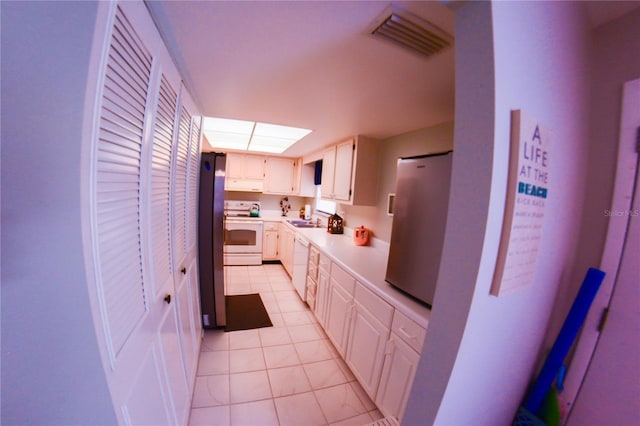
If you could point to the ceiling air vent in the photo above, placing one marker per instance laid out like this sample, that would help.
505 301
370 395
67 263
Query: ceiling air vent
413 33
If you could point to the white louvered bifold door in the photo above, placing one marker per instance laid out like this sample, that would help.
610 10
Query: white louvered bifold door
186 165
117 183
180 185
139 189
161 185
192 187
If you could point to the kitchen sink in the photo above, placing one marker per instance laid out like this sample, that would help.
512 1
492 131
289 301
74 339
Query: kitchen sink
299 223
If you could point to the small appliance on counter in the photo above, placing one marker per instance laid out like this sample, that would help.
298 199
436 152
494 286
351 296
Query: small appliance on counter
361 236
254 210
334 224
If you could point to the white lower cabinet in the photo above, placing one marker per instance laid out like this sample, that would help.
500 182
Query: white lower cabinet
322 292
368 336
378 342
397 377
400 364
312 277
270 241
286 246
339 317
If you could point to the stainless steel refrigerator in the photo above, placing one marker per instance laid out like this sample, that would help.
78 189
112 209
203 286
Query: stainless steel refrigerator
211 238
419 221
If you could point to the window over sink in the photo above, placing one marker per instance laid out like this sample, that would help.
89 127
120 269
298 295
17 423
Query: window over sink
324 206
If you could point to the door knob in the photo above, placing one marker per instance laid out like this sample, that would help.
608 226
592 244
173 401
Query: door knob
183 270
167 299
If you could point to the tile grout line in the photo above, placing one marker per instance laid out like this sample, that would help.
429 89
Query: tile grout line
264 358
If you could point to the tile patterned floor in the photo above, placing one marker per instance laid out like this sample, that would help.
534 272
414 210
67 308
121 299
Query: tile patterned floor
288 374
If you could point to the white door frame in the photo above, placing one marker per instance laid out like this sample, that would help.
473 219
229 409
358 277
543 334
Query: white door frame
618 217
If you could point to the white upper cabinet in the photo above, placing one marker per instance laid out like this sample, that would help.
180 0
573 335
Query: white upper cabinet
244 172
258 173
350 172
306 179
281 175
343 170
328 171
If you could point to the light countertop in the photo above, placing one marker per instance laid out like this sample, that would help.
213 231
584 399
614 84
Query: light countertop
368 264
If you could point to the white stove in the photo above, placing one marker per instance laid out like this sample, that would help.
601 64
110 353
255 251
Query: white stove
242 209
242 233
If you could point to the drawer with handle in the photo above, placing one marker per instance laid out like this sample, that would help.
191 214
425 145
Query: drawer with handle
314 255
408 330
270 226
312 271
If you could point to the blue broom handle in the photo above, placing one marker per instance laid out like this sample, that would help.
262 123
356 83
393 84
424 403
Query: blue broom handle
565 338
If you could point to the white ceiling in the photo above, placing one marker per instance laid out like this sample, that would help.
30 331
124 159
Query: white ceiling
309 64
314 64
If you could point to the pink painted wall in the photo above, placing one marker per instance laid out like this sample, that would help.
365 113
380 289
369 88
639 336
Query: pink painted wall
52 373
481 351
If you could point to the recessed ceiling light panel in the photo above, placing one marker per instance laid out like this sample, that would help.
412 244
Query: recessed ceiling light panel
250 136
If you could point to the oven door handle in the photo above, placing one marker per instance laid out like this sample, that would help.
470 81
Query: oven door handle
243 222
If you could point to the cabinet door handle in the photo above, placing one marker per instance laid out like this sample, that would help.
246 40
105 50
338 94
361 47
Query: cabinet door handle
184 271
390 347
352 311
402 331
167 299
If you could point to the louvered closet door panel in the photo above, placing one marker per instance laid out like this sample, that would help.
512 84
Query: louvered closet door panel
117 182
180 173
160 197
192 186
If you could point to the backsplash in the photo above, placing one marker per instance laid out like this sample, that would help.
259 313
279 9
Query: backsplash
269 201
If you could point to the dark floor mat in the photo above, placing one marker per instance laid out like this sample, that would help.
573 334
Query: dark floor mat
245 312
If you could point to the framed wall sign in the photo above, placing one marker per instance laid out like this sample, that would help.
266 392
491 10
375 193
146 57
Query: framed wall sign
527 192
